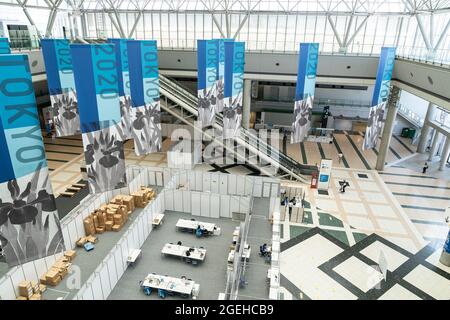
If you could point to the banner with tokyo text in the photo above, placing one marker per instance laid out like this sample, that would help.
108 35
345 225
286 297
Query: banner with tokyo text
145 96
234 88
95 71
61 86
304 92
123 76
4 46
380 98
29 222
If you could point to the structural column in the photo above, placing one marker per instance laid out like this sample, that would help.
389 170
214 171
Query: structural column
246 103
388 128
436 139
425 132
445 153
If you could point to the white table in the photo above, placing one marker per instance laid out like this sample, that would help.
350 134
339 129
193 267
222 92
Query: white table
157 220
133 256
246 252
231 256
193 224
180 251
177 285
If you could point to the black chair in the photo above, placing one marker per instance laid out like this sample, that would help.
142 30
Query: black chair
179 243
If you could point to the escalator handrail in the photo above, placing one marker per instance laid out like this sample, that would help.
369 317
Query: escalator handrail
290 163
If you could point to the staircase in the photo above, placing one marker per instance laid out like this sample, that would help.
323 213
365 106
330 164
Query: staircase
182 104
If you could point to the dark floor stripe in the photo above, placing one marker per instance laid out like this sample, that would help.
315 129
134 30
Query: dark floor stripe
340 151
65 152
436 223
303 151
360 155
407 206
419 196
67 138
394 153
57 160
416 185
61 144
404 144
405 175
322 154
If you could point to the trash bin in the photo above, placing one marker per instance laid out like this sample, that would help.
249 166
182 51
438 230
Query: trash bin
405 132
411 133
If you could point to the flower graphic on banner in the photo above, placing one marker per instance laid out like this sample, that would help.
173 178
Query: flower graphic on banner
220 95
65 113
206 105
105 158
232 116
29 225
374 123
125 111
146 128
302 119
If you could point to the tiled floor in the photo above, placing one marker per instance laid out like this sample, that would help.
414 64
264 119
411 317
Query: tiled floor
349 143
423 199
381 214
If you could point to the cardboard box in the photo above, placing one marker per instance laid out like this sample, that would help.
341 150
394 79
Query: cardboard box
116 227
118 219
43 279
92 239
35 287
80 242
108 225
89 228
70 255
36 296
42 288
100 230
53 277
25 289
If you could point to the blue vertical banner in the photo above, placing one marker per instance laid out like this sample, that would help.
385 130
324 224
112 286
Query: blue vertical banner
220 86
4 46
29 223
207 81
123 76
380 97
304 92
96 80
234 87
145 96
61 86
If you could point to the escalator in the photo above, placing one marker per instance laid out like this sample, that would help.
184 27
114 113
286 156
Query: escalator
181 103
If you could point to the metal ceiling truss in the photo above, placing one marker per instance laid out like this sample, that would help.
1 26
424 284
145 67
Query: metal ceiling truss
357 13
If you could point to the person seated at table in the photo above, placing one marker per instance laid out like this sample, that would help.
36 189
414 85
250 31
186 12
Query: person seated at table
199 231
263 250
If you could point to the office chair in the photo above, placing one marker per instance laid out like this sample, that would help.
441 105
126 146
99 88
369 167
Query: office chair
147 291
162 293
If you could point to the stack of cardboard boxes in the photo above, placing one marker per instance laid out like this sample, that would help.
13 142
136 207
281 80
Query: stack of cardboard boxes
30 290
59 269
109 217
143 196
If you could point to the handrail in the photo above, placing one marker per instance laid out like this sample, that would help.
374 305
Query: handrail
247 136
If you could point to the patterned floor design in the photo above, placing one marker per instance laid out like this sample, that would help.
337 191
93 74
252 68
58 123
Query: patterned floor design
349 144
317 265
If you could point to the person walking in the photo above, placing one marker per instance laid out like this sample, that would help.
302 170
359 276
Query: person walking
340 156
425 167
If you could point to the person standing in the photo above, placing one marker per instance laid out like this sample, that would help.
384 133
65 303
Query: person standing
425 167
340 156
